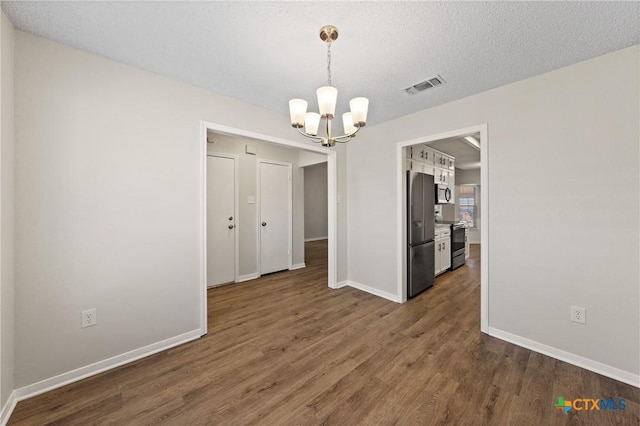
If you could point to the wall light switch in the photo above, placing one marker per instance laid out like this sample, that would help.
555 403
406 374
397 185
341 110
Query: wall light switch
250 149
251 199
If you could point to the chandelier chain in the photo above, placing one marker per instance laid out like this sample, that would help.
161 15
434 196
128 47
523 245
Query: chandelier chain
329 63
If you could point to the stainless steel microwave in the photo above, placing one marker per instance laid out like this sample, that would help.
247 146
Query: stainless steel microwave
443 194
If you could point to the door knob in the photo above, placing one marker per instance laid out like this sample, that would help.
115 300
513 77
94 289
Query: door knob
230 226
230 217
264 223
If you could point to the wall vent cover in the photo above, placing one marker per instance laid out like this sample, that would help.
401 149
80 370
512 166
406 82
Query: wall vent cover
424 85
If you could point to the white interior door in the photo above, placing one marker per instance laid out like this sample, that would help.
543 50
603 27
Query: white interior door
275 216
221 220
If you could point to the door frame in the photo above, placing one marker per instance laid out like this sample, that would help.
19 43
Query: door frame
332 191
236 210
260 161
484 214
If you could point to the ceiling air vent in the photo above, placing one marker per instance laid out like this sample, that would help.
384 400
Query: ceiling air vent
424 85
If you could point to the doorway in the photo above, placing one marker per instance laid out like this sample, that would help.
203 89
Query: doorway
304 148
481 130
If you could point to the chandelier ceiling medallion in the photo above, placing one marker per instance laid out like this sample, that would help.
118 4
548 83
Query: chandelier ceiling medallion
307 123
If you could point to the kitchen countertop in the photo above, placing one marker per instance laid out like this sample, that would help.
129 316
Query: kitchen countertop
448 222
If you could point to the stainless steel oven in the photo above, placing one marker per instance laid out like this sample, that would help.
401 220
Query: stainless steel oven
457 245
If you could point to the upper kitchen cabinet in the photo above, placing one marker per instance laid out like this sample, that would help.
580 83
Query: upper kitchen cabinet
417 152
428 156
441 176
422 158
451 163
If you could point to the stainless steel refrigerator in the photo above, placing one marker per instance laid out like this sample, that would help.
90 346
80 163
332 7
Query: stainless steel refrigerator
420 232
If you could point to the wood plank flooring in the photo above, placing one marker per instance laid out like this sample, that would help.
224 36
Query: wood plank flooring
286 350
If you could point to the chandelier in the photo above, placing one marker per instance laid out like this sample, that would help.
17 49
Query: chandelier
307 123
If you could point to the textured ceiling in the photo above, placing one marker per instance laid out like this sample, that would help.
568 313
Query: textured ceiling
265 53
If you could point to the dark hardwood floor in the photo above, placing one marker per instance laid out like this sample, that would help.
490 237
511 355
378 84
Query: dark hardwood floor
286 350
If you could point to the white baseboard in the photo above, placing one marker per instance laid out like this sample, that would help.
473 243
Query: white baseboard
371 290
220 285
91 370
306 240
8 408
248 277
298 266
341 284
577 360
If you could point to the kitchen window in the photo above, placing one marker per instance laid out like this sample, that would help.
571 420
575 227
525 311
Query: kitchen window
468 205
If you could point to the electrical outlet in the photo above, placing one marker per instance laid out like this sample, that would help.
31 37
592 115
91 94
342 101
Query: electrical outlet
88 318
578 314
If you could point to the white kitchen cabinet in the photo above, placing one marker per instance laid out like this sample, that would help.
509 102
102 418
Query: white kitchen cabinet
444 161
415 166
438 256
442 259
466 243
441 176
417 152
428 155
408 164
445 255
421 158
428 169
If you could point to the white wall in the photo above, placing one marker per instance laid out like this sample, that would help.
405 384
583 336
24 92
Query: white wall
315 201
7 35
449 211
107 172
549 138
468 177
342 212
308 158
248 237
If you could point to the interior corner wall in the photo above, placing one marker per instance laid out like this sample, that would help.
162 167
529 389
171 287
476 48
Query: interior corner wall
248 214
7 282
468 177
553 241
308 158
315 202
342 213
108 176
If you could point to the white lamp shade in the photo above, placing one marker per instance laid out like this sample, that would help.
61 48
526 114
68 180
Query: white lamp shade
347 122
359 108
297 110
311 123
327 97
